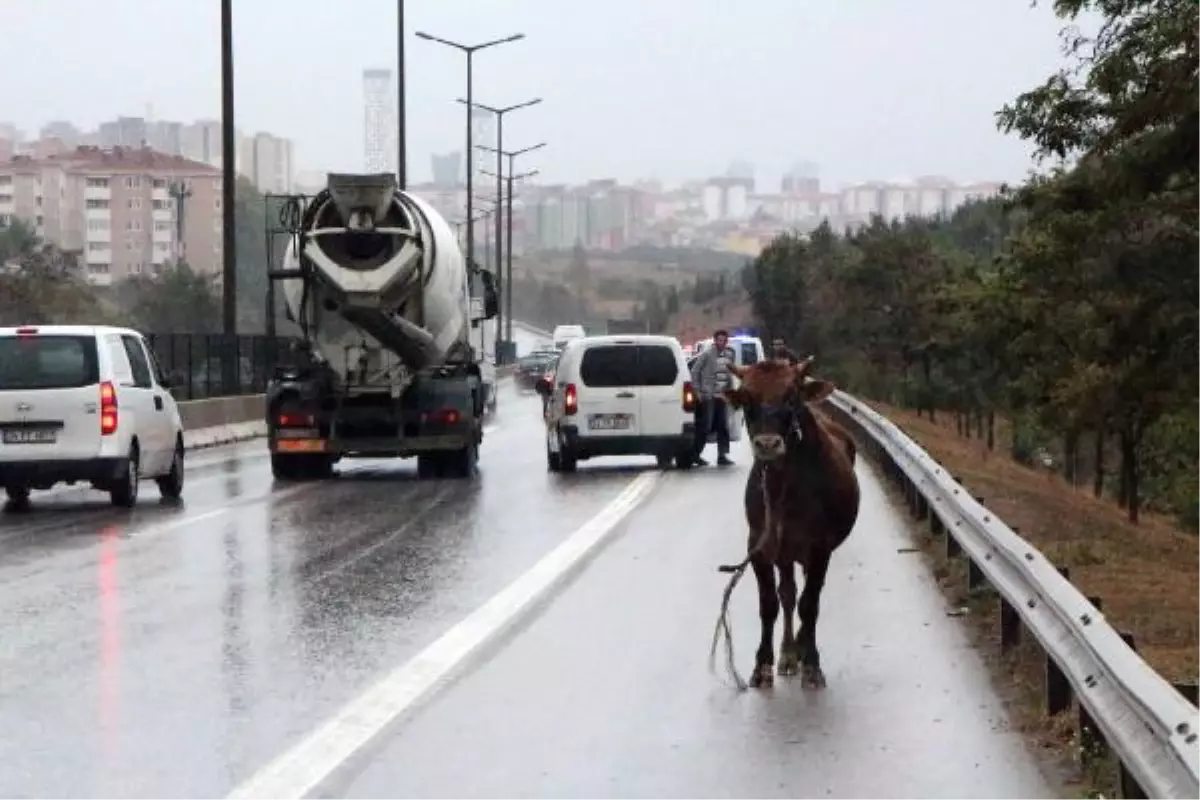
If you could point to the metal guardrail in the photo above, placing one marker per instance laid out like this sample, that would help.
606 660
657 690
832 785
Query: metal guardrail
196 363
1148 725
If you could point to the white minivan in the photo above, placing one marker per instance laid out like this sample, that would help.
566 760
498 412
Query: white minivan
85 403
565 333
620 396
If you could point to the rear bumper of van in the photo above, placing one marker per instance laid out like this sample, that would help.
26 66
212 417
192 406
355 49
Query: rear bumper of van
589 446
44 474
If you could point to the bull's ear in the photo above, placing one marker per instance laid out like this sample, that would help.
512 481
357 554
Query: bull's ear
738 370
814 391
737 398
802 366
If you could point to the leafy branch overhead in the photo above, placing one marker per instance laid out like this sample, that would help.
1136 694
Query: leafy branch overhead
1069 305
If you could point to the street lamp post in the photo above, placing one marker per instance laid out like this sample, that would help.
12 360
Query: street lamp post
228 187
401 103
511 178
470 51
508 280
499 113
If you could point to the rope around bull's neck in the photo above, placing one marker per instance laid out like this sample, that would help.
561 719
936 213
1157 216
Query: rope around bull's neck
764 537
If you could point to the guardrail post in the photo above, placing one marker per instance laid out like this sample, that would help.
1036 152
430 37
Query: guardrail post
922 506
953 548
1058 688
1129 787
936 526
1010 626
975 576
1091 741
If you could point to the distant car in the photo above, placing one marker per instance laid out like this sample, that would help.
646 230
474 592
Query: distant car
617 396
532 366
86 404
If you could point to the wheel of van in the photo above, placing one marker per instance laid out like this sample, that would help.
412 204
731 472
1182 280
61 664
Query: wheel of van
553 462
124 490
18 496
567 461
170 485
664 461
684 461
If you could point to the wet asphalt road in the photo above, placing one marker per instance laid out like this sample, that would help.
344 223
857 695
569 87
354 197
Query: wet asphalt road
173 651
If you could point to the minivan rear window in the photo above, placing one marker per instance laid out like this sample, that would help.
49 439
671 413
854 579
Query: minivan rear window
47 362
614 365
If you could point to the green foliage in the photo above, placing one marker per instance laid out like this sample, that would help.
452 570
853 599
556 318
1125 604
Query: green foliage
40 284
176 299
1068 306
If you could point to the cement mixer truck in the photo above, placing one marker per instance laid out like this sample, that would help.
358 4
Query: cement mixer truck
384 366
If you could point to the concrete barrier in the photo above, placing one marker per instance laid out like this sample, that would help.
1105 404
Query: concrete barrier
223 420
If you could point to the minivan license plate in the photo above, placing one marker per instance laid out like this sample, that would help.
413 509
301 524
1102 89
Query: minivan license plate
30 436
609 422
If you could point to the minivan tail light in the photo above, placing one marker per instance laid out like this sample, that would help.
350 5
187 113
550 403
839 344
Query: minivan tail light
108 409
570 399
689 397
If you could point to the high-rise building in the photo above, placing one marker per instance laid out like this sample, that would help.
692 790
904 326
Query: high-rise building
201 141
379 124
267 161
446 169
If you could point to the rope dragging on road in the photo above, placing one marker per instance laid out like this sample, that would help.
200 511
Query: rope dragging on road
738 571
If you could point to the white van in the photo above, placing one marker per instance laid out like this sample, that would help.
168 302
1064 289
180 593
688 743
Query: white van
620 396
565 333
747 350
85 403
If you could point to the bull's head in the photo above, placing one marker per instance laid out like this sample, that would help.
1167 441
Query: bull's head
774 396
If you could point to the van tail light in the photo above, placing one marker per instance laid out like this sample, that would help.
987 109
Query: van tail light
108 409
570 399
689 397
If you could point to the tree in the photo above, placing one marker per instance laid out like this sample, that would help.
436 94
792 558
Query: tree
176 300
41 284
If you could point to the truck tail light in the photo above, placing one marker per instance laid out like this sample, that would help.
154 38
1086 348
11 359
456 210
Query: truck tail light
108 409
571 399
445 416
689 397
294 420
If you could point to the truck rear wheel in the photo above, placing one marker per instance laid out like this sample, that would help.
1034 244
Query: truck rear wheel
461 463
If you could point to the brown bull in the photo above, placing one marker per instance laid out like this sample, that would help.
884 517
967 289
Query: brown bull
801 503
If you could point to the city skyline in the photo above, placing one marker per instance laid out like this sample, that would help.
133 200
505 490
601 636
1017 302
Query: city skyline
866 88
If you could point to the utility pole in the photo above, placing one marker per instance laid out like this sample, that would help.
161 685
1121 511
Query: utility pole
228 203
401 110
501 351
179 192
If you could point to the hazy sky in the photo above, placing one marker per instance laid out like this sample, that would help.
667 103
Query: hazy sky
670 89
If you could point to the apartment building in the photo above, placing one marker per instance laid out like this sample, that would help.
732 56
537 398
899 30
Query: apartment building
117 208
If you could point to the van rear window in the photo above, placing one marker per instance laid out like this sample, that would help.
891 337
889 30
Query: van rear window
47 362
606 366
749 354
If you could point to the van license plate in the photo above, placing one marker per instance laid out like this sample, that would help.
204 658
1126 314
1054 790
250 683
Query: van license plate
30 436
610 422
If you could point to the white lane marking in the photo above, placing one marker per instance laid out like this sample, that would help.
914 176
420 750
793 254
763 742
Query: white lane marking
301 769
